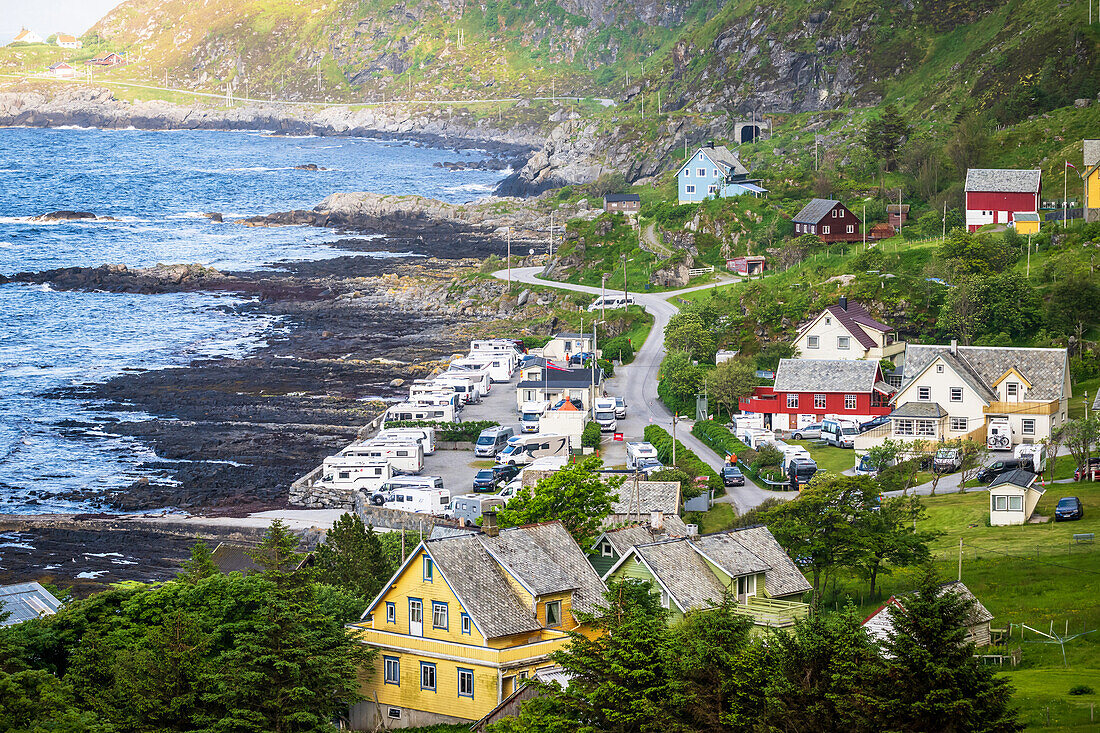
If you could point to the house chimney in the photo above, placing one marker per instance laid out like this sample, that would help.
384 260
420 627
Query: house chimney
954 347
656 521
693 530
710 143
489 523
843 303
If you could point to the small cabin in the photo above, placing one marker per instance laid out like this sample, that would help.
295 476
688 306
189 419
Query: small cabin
897 214
880 624
1027 222
1013 497
746 266
628 203
62 70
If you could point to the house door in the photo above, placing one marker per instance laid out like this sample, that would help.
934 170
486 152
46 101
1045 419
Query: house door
416 617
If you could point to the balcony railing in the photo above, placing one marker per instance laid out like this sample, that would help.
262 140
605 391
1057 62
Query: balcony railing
771 612
1023 408
447 649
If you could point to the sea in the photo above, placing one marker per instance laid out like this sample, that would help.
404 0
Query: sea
156 187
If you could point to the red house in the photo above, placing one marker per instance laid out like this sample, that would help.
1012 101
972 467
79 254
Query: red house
994 195
806 390
106 59
829 220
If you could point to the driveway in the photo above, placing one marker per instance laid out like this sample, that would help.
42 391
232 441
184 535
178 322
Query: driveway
637 383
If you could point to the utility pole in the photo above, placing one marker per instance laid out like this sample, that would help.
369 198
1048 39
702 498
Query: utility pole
865 226
899 209
626 297
675 417
509 259
658 102
960 559
603 297
943 236
815 151
550 244
1029 257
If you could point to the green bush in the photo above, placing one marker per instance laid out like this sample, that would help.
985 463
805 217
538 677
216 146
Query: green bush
456 432
679 405
1080 690
612 348
719 438
607 366
590 437
686 461
769 455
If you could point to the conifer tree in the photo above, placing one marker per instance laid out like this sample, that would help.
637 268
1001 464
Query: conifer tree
201 565
352 557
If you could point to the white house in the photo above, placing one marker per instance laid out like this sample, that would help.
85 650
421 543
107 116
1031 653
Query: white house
953 391
26 36
847 331
565 345
66 41
1012 497
62 70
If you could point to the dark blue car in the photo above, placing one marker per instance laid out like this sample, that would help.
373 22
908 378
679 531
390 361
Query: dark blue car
1069 507
486 480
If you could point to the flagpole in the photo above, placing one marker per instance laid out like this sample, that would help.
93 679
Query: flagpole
1065 203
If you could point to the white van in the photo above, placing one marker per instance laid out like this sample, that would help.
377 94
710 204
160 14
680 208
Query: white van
405 455
407 411
355 473
530 414
998 434
604 412
424 436
841 433
638 452
478 370
468 508
468 392
423 482
418 500
492 441
611 301
527 448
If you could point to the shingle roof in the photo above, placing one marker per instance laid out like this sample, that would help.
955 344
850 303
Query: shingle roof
825 375
1025 216
621 197
1019 477
651 496
1091 150
984 365
1008 180
920 410
24 601
814 211
234 558
559 378
626 537
978 614
683 572
851 318
782 577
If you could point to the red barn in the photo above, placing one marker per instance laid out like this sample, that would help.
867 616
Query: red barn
828 219
994 195
806 390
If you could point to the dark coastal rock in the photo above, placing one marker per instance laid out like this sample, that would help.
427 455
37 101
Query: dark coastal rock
310 167
121 279
214 216
65 216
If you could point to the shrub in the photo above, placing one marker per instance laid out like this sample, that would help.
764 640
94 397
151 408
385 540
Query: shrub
686 461
718 437
769 455
619 345
457 432
590 437
607 366
1080 690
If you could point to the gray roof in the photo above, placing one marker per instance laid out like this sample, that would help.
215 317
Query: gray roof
652 496
1091 150
542 557
726 160
440 531
624 538
1025 216
814 211
24 601
920 410
982 366
979 614
826 375
683 572
1007 180
1019 477
573 336
782 578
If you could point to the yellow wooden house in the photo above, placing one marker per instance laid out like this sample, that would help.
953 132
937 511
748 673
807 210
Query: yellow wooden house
1091 174
1026 222
466 619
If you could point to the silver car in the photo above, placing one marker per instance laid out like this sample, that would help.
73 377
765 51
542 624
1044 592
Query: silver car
620 408
809 431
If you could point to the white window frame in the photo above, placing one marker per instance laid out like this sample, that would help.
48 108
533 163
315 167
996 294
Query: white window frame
843 342
955 394
690 188
850 401
924 394
959 424
926 428
813 342
903 426
712 188
851 228
1015 503
605 549
1012 389
1027 426
701 172
819 401
792 400
391 671
825 229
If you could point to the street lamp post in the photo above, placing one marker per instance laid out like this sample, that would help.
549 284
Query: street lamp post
603 295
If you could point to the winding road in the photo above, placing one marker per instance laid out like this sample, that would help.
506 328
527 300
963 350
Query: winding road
637 384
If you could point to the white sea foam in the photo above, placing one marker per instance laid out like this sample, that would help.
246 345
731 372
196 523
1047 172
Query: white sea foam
91 575
102 554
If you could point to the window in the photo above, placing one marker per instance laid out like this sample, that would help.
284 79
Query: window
939 369
849 402
843 342
792 400
428 570
926 427
814 342
1015 503
712 188
1011 389
924 393
345 474
465 682
825 230
391 613
690 189
835 213
427 676
701 172
392 670
819 402
664 599
466 624
958 424
1008 503
715 172
851 228
687 172
902 426
828 321
746 585
394 713
553 613
439 615
605 549
956 394
1027 426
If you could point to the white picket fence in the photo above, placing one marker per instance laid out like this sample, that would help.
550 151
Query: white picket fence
697 271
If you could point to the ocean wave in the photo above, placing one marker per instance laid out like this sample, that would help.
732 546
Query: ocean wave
472 187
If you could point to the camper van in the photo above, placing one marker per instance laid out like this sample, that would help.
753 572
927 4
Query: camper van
793 453
1032 456
479 369
638 452
502 362
469 508
407 411
472 385
530 414
839 433
530 447
404 454
355 473
424 436
604 412
418 499
610 301
947 460
448 397
998 434
800 471
492 441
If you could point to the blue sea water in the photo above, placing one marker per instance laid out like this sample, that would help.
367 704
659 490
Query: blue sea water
157 186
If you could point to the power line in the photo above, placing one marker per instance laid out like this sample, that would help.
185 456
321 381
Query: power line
1031 559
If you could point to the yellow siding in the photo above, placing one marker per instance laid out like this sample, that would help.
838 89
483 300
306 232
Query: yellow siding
1094 190
1027 227
445 700
521 593
411 584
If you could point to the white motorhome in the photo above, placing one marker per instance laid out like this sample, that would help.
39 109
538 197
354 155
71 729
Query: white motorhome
503 361
998 434
448 397
424 436
419 500
1032 456
469 508
604 412
638 452
792 453
478 367
530 414
405 455
839 432
467 391
610 301
527 448
407 411
355 473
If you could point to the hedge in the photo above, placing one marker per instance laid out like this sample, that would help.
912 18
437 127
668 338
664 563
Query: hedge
686 460
718 437
457 432
590 437
677 404
616 347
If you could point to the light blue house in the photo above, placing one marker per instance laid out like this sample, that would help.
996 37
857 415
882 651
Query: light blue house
714 172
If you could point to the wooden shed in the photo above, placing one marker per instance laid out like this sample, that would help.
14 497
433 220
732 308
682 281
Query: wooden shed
880 624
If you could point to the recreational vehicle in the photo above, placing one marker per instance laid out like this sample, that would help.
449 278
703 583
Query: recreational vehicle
419 500
355 473
638 452
839 433
469 508
478 369
424 436
407 411
530 414
800 471
530 447
405 455
492 441
998 434
604 412
610 301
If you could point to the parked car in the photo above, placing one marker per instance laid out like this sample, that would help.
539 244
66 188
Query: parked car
486 480
873 423
807 431
620 408
995 469
506 473
732 476
1069 507
1093 464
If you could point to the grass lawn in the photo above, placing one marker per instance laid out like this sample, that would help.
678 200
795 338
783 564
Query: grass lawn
1077 402
1032 574
828 457
720 517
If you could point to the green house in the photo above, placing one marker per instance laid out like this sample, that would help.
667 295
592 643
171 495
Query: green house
610 546
693 573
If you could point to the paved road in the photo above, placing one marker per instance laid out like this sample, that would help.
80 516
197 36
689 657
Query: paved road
637 383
